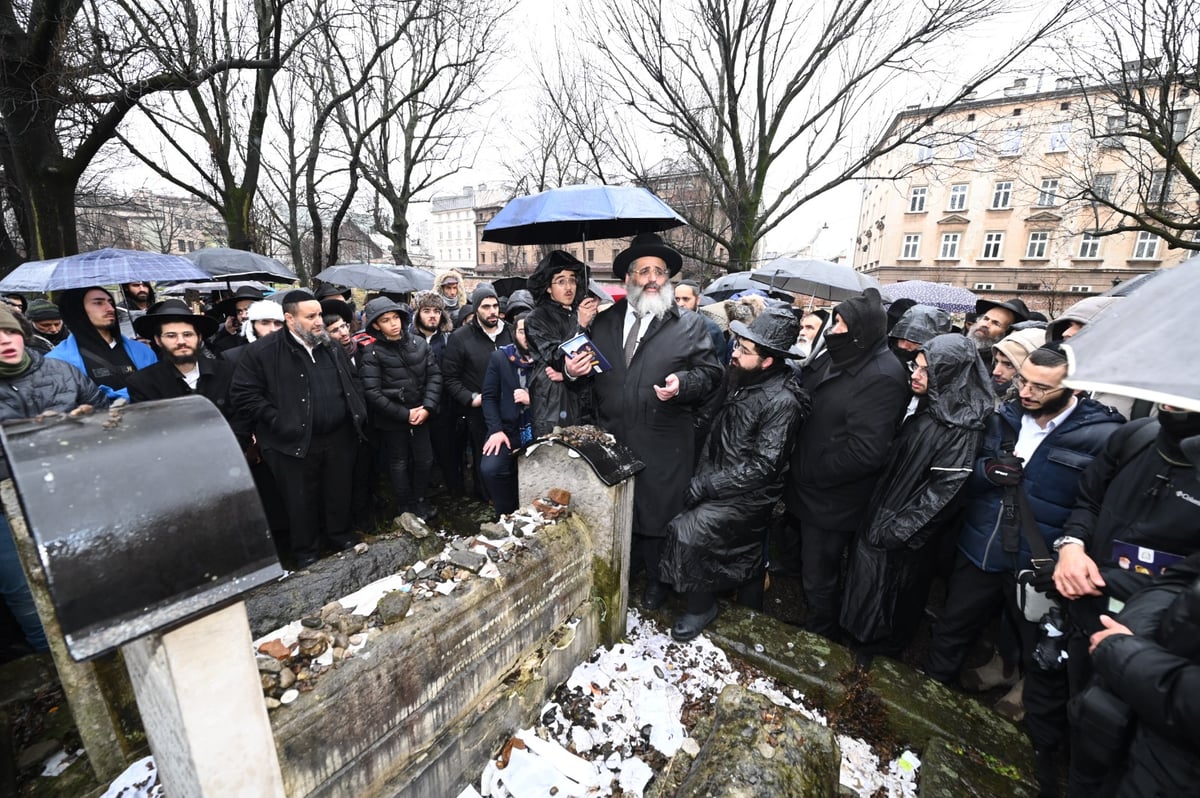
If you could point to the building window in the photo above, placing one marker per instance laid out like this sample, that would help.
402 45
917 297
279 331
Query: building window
993 245
1029 286
1089 246
1102 186
949 249
958 197
182 245
983 287
966 148
1059 135
924 151
916 200
1048 194
1081 289
591 254
1002 195
483 257
912 247
1114 126
1038 241
1179 124
1146 246
493 257
1011 145
1160 187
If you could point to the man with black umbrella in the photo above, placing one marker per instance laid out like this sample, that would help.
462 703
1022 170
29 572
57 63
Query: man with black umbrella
233 310
663 370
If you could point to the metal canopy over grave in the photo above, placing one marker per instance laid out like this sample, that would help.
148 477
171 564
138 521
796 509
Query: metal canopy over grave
143 517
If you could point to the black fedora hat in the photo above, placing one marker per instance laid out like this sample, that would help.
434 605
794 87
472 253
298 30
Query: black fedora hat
647 245
1015 306
774 331
147 326
228 305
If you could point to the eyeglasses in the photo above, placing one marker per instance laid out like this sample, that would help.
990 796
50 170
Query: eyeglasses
1036 391
740 346
915 369
646 271
563 281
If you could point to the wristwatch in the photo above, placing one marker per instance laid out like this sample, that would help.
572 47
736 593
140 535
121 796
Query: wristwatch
1065 540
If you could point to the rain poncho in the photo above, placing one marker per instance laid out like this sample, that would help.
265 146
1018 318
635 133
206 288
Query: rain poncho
549 324
915 497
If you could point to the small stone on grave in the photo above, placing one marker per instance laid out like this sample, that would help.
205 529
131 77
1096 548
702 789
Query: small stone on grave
413 525
468 560
393 606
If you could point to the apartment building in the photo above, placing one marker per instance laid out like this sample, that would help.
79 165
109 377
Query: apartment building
999 197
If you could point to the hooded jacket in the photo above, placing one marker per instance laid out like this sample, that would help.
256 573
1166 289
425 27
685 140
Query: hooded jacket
76 319
398 376
718 544
919 489
921 323
462 288
48 384
1051 482
549 324
1082 312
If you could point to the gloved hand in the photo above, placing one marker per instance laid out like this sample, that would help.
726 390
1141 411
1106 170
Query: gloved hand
697 491
1004 471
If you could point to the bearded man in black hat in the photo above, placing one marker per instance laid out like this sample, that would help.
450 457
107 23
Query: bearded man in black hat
663 369
181 369
716 544
234 310
994 321
860 392
306 403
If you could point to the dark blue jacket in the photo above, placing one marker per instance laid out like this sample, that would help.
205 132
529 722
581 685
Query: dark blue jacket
500 412
1051 481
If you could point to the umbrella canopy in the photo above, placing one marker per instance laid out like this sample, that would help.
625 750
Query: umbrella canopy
821 279
238 264
949 298
374 277
175 289
580 213
1131 349
101 267
1133 284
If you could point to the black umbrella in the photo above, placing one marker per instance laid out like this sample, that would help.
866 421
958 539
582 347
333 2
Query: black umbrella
1133 347
374 277
506 285
238 264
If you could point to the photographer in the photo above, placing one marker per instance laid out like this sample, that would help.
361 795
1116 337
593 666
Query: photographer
1137 514
1148 662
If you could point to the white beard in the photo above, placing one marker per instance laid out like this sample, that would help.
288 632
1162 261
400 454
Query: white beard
654 304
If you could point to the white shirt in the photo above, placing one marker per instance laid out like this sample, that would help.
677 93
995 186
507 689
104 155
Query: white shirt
1032 435
630 317
192 378
302 343
496 334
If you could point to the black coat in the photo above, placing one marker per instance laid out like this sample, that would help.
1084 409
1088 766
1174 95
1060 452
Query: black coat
555 404
844 444
270 387
465 361
500 412
661 434
398 376
1156 672
718 544
919 489
162 381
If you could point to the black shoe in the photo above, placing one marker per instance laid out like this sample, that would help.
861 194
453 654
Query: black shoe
424 510
304 562
655 595
690 625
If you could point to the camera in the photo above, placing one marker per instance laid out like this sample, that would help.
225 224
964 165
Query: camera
1050 653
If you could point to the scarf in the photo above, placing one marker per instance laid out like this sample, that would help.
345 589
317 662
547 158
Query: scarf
10 370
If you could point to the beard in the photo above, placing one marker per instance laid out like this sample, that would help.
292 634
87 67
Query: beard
313 337
1053 406
653 304
983 342
178 360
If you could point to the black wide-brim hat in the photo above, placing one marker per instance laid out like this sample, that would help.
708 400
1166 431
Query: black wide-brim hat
147 326
647 245
774 331
228 305
1015 306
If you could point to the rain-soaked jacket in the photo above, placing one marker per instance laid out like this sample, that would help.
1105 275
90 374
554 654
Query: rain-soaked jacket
921 323
549 324
718 544
919 489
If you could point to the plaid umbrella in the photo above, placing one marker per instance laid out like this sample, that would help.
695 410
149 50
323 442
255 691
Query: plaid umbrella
101 267
949 298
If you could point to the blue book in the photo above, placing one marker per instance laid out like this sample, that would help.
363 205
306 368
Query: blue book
582 342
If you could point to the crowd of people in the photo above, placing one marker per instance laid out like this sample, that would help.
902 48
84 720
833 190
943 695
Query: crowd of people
866 450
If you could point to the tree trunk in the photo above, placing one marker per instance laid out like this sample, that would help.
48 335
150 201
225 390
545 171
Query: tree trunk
46 182
399 234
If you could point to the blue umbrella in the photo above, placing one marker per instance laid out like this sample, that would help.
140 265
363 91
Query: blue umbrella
580 213
101 267
949 298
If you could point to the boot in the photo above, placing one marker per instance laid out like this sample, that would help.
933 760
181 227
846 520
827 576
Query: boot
995 673
1011 705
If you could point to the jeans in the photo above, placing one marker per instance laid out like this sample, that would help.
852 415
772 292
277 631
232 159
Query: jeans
16 592
409 456
499 475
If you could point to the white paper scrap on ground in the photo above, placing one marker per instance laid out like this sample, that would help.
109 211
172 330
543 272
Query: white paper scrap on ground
139 780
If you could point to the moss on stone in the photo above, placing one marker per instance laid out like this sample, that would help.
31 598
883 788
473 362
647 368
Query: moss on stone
950 770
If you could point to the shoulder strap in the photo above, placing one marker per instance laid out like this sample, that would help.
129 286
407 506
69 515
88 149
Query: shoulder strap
1139 435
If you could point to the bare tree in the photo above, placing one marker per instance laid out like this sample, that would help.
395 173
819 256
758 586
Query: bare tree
411 119
70 73
775 102
1139 74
